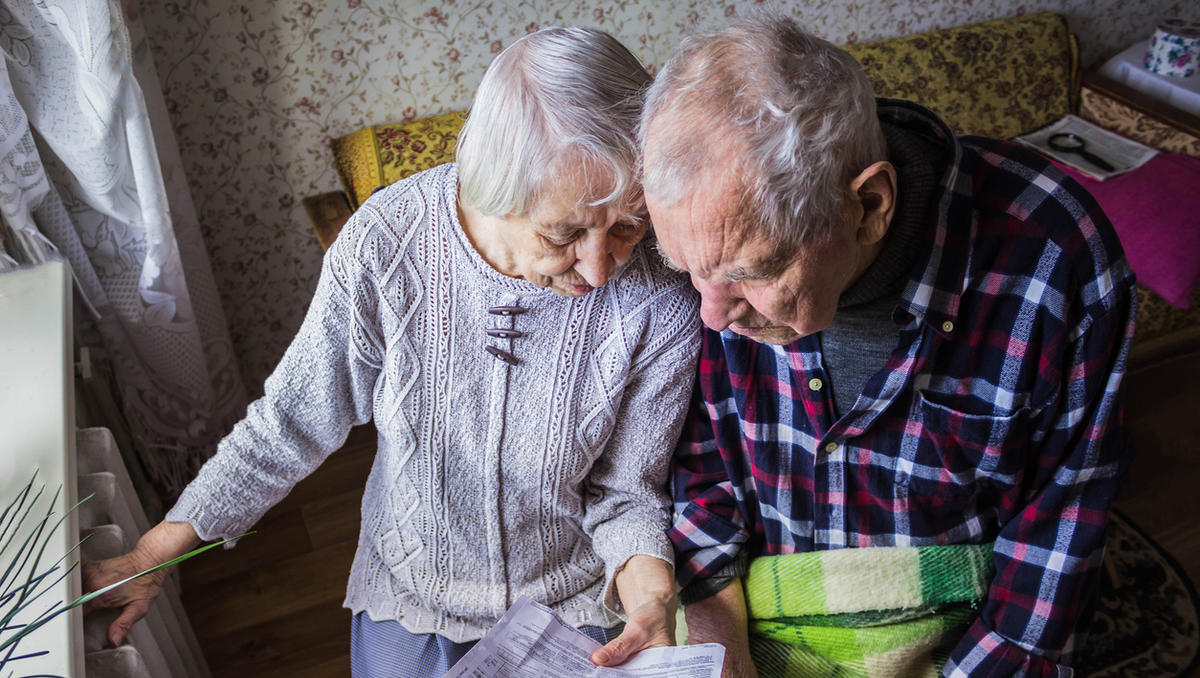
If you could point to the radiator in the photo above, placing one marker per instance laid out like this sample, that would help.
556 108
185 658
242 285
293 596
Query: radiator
38 424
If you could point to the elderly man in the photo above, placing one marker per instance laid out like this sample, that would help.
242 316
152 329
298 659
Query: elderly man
905 436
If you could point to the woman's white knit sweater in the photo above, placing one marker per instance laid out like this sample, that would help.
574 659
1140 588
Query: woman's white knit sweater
492 479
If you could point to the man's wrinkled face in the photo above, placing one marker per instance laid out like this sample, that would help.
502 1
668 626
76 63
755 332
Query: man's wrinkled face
745 282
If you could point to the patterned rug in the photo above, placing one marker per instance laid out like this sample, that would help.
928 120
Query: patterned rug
1147 624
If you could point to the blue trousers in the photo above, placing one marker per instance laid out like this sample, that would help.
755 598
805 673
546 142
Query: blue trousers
384 649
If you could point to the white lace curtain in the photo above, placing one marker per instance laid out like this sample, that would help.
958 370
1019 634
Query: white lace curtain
89 171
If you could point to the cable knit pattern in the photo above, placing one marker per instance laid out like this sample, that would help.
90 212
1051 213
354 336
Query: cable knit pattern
491 480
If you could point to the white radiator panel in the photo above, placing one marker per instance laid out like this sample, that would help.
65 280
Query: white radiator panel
164 638
37 419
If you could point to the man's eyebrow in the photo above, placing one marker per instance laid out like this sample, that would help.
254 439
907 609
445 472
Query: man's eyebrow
767 267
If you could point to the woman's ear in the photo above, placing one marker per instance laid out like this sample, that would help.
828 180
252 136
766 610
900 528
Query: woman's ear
875 190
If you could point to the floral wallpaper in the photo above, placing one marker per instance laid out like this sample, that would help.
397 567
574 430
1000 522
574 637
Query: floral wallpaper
257 88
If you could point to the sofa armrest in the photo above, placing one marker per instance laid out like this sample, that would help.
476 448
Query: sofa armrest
1124 110
1164 331
328 212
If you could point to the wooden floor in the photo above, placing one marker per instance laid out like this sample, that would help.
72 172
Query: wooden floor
272 606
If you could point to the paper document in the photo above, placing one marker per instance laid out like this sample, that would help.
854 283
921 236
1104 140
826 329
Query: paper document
1079 144
531 641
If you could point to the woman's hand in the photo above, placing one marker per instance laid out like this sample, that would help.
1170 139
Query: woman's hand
646 586
162 543
134 597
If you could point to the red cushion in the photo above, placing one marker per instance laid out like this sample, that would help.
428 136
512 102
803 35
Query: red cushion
1156 212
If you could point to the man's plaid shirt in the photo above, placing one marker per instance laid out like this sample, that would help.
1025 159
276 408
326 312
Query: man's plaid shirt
996 417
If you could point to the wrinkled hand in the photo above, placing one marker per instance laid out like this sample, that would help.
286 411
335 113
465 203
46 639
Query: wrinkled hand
133 597
646 587
651 624
165 541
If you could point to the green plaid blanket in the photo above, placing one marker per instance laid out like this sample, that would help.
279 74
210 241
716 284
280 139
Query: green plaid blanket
891 611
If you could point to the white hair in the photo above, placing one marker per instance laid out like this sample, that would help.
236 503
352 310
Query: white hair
558 104
790 112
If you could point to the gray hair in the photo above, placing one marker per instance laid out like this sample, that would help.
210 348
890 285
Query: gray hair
561 103
794 115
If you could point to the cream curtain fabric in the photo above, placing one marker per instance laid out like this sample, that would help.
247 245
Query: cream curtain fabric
89 167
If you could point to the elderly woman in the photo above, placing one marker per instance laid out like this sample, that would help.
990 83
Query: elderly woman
526 363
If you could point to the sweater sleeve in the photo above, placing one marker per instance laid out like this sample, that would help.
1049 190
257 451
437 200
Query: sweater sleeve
627 509
321 388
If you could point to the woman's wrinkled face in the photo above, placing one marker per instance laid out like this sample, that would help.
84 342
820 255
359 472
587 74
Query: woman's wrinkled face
571 247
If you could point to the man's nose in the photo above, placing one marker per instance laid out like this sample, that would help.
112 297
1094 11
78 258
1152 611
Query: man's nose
594 260
718 308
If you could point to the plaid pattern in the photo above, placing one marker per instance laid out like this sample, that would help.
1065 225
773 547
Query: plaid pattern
996 417
881 612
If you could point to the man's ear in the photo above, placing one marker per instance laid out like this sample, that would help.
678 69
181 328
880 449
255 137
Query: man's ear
875 190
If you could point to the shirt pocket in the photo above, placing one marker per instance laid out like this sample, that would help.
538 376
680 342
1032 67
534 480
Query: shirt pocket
949 454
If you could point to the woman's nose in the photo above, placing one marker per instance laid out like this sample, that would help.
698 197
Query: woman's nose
594 260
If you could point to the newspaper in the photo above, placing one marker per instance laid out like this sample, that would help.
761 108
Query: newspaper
1120 153
531 641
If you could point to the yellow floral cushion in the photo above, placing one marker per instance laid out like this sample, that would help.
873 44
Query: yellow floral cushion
998 78
384 154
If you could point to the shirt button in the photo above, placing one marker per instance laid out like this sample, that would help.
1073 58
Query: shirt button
947 326
831 447
815 384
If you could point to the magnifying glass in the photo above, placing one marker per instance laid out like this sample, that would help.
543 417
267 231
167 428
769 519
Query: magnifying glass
1069 142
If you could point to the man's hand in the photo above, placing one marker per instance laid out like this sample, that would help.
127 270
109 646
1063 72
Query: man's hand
721 618
162 543
646 586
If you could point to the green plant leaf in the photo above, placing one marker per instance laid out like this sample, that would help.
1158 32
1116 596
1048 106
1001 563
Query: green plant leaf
174 561
37 580
22 551
19 562
28 588
13 507
13 569
54 612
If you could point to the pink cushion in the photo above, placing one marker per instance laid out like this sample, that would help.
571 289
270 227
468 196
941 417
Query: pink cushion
1156 212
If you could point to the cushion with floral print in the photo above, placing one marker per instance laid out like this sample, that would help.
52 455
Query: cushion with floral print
998 78
380 155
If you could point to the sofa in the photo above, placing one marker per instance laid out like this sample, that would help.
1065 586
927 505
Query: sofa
999 78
